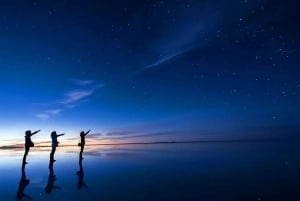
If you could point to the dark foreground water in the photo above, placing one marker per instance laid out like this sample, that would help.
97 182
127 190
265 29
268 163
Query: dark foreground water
200 172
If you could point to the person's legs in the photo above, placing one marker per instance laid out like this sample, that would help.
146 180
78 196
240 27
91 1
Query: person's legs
81 150
25 154
52 153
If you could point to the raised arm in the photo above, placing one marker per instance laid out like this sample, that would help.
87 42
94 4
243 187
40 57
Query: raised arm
60 134
35 132
87 132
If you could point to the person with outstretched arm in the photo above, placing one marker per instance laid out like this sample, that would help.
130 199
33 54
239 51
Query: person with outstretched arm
55 143
82 141
28 143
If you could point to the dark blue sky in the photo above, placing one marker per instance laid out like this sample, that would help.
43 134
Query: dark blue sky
157 68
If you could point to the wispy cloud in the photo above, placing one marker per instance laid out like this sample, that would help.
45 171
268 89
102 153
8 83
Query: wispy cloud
82 82
73 98
95 135
193 30
119 133
166 58
146 134
43 116
76 95
48 113
54 111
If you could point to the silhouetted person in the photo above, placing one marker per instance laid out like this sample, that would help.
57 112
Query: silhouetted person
51 179
55 143
28 143
82 141
80 174
22 185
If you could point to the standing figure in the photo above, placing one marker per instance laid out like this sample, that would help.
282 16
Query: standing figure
82 141
28 143
55 143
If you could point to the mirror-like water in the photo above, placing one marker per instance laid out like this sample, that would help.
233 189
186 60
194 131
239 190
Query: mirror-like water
203 171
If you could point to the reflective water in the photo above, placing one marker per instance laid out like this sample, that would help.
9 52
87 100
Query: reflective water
202 171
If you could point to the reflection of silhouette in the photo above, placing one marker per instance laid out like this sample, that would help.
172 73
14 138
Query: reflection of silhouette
28 143
55 143
51 179
82 141
80 174
22 185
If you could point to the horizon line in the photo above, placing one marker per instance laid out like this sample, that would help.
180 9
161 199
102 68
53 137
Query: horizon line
149 143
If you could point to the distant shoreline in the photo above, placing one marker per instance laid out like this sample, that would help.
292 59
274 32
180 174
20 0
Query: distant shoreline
158 142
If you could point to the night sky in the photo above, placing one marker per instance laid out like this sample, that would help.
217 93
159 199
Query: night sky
166 70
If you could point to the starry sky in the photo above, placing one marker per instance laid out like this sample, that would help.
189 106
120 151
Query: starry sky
150 70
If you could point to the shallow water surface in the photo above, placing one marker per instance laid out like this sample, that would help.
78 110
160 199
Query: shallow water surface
191 171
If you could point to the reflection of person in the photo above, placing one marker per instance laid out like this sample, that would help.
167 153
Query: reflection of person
82 140
51 179
28 143
22 185
55 143
80 175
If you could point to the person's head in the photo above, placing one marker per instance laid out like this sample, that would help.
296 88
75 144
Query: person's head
53 133
82 133
28 132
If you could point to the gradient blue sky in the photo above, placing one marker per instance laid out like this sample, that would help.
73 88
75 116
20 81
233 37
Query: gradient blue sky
194 69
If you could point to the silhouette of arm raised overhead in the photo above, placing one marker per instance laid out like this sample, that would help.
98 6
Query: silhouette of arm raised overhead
35 132
87 132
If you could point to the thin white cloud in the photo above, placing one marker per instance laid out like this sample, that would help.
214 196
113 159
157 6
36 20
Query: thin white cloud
54 111
43 116
48 113
193 30
72 98
76 95
71 106
83 82
166 59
